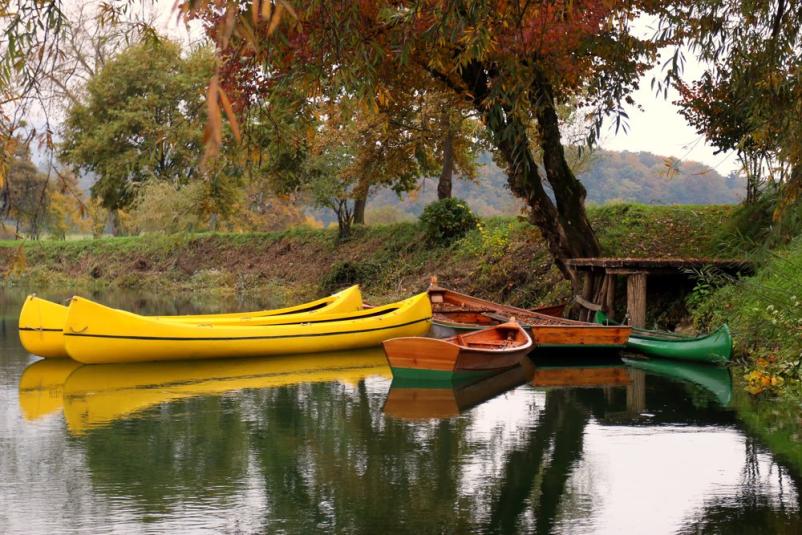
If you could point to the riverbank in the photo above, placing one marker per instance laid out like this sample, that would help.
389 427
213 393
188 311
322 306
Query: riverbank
505 259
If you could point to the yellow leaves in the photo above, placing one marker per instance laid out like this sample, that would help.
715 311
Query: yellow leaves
383 96
9 144
213 133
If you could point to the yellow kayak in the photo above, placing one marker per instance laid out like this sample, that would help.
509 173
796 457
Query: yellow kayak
95 334
98 395
41 322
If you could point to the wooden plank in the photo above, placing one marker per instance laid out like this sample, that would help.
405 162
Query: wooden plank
636 299
609 298
587 304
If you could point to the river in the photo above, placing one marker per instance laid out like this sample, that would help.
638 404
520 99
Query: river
327 443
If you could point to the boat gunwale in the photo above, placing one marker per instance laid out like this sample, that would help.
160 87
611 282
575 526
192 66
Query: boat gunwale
230 338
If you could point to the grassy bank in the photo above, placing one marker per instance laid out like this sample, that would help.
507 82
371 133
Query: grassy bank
765 315
504 258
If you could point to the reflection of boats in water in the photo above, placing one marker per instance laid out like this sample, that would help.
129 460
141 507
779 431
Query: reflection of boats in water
41 386
581 376
714 379
99 394
583 370
424 399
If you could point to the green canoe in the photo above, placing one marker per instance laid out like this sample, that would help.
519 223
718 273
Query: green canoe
714 348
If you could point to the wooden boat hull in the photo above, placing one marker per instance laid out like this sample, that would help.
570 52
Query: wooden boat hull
431 358
95 334
713 348
461 312
41 322
548 336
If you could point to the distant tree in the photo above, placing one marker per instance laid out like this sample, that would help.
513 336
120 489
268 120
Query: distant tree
27 197
751 92
141 119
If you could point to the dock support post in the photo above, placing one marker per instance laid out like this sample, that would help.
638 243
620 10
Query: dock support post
587 293
636 299
609 297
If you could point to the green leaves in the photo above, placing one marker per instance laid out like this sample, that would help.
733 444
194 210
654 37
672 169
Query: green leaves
142 119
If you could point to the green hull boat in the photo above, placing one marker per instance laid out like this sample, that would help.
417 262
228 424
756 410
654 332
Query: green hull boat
713 348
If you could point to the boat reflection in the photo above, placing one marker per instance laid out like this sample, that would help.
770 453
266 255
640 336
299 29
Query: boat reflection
95 395
41 386
417 400
716 380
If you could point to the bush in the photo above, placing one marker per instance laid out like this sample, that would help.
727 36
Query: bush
447 220
346 273
764 313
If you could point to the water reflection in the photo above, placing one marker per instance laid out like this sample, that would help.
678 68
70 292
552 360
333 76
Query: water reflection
98 394
41 386
413 400
311 445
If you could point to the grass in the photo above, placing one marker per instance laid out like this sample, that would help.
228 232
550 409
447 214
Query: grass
503 258
764 313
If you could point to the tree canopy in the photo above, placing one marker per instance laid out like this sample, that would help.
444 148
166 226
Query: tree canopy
141 119
509 63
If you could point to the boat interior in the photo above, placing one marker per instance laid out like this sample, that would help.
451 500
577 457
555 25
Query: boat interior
502 337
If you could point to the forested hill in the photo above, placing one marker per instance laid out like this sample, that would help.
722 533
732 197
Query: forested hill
611 176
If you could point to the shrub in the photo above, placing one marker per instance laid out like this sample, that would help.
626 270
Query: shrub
447 220
764 313
346 273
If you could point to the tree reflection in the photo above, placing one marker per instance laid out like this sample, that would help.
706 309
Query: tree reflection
196 448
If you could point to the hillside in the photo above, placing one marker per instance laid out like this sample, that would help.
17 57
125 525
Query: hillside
611 176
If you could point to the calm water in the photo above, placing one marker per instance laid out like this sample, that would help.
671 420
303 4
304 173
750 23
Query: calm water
329 444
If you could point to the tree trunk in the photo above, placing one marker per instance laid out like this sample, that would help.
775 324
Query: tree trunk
568 191
359 210
345 217
360 202
564 224
445 182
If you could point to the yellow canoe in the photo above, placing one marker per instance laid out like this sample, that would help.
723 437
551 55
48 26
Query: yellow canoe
98 395
41 322
95 334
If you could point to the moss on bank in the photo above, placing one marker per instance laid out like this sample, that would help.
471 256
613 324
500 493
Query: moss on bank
503 258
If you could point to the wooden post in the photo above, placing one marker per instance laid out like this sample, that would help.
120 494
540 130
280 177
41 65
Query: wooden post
636 299
609 298
587 293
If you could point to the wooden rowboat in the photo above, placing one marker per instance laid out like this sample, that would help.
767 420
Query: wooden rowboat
485 351
456 312
95 334
713 348
41 322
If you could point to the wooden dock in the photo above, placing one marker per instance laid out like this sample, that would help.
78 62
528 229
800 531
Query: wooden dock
599 278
